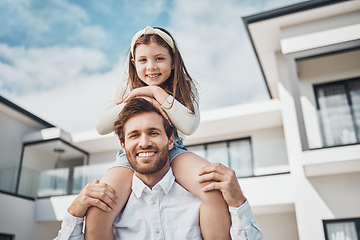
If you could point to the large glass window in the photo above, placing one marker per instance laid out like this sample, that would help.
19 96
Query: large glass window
339 112
235 154
48 169
4 236
343 229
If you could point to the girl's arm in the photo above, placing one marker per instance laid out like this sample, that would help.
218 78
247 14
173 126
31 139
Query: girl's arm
105 121
180 116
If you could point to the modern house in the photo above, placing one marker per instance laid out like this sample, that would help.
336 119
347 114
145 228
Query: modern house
297 155
310 57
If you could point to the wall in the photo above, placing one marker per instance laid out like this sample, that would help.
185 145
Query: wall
269 151
17 217
10 150
281 226
341 193
103 157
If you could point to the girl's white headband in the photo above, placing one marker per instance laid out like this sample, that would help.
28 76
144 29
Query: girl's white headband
150 30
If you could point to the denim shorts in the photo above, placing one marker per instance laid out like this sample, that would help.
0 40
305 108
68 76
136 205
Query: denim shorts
121 159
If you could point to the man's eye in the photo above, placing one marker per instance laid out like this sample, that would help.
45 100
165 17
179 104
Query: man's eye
133 135
154 133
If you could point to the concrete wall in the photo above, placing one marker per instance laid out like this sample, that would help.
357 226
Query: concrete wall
280 226
340 193
269 151
102 157
12 132
18 218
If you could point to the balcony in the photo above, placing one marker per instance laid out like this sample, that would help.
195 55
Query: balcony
51 166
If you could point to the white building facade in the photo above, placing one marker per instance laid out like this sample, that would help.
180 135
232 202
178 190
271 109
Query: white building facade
297 156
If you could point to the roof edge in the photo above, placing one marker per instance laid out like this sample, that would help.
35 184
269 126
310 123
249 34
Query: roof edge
299 7
25 112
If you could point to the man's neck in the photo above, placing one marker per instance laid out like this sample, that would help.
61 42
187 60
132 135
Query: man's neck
152 179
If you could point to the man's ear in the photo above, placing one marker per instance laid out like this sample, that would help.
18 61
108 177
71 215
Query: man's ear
171 141
122 145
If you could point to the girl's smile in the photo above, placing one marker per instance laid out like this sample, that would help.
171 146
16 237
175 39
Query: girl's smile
153 63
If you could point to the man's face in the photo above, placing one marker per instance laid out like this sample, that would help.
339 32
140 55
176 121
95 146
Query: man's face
145 143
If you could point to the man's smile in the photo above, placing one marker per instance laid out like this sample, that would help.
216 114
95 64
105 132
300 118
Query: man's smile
146 154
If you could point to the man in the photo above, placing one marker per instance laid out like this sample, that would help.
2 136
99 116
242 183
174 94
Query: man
158 207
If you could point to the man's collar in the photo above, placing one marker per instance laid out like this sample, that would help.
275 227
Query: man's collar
165 184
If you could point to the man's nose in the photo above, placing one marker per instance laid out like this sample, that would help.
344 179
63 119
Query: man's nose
144 141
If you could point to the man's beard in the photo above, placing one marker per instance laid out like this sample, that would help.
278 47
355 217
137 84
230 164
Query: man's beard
157 164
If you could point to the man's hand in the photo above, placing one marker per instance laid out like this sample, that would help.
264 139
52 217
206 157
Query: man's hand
223 179
95 194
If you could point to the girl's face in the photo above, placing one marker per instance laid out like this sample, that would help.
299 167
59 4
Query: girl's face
153 63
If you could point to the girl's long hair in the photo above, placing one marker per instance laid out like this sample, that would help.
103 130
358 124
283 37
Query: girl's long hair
180 84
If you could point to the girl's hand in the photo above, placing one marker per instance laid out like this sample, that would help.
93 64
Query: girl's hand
154 92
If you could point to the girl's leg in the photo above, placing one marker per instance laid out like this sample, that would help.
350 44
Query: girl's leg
99 223
214 214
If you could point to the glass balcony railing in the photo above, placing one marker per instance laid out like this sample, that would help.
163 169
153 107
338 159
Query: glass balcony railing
48 168
59 182
86 174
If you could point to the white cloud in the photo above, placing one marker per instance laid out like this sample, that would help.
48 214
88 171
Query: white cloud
38 69
74 106
65 86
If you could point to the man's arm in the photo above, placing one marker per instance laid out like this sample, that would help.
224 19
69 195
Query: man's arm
95 194
244 225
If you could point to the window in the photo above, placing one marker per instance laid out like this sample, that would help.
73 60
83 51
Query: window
342 229
235 154
339 112
6 236
48 169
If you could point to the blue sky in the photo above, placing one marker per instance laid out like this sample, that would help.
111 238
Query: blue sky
62 59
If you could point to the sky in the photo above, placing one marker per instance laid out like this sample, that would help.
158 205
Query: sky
62 60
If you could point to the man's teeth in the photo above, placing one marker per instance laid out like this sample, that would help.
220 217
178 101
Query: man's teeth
147 154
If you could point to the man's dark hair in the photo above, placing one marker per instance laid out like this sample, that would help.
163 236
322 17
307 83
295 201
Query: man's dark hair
137 106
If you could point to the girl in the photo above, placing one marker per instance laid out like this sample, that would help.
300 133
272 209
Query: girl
158 74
